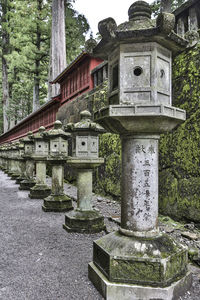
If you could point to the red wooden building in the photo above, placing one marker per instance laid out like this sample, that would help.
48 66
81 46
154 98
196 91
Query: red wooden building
75 80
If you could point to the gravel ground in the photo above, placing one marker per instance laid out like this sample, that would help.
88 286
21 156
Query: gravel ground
38 259
41 261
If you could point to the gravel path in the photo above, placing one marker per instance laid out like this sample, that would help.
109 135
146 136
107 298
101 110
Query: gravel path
38 259
41 261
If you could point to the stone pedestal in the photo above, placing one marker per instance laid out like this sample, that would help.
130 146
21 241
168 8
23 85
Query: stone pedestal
118 291
84 219
41 189
29 181
57 201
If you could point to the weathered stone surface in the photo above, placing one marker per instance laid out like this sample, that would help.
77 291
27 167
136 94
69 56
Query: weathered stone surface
57 203
155 261
84 221
179 150
158 118
118 291
40 191
190 235
139 184
27 184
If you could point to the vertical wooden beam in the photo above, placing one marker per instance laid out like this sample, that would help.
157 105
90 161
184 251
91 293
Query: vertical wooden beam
193 19
181 27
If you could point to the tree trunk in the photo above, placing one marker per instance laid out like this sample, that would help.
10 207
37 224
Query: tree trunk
58 45
5 51
36 88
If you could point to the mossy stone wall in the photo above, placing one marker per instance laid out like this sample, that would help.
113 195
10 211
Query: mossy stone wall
180 149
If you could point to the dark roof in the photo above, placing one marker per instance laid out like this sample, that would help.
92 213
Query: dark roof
30 115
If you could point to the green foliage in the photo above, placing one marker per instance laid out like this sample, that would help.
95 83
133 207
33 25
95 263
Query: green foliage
28 24
108 175
76 28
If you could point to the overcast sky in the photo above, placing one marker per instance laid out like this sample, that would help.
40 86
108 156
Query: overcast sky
97 10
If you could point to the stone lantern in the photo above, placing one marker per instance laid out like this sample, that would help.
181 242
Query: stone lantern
58 151
16 160
9 158
21 162
85 158
41 151
4 160
14 166
29 180
138 262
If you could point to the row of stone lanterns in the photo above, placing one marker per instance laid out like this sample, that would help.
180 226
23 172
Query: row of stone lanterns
30 155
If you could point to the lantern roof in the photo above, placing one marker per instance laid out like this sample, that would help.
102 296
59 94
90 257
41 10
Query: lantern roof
57 131
28 139
85 124
139 28
40 134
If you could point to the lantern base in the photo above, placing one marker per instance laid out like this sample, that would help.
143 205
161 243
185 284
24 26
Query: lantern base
20 179
40 191
155 261
117 291
14 176
4 169
27 184
10 173
57 203
84 221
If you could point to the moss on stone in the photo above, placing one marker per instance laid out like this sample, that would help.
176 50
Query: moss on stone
107 177
157 261
180 149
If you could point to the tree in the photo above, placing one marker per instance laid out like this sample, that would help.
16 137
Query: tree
25 44
76 28
5 8
30 42
58 44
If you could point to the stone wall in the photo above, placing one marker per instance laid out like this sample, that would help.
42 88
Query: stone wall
180 150
92 101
